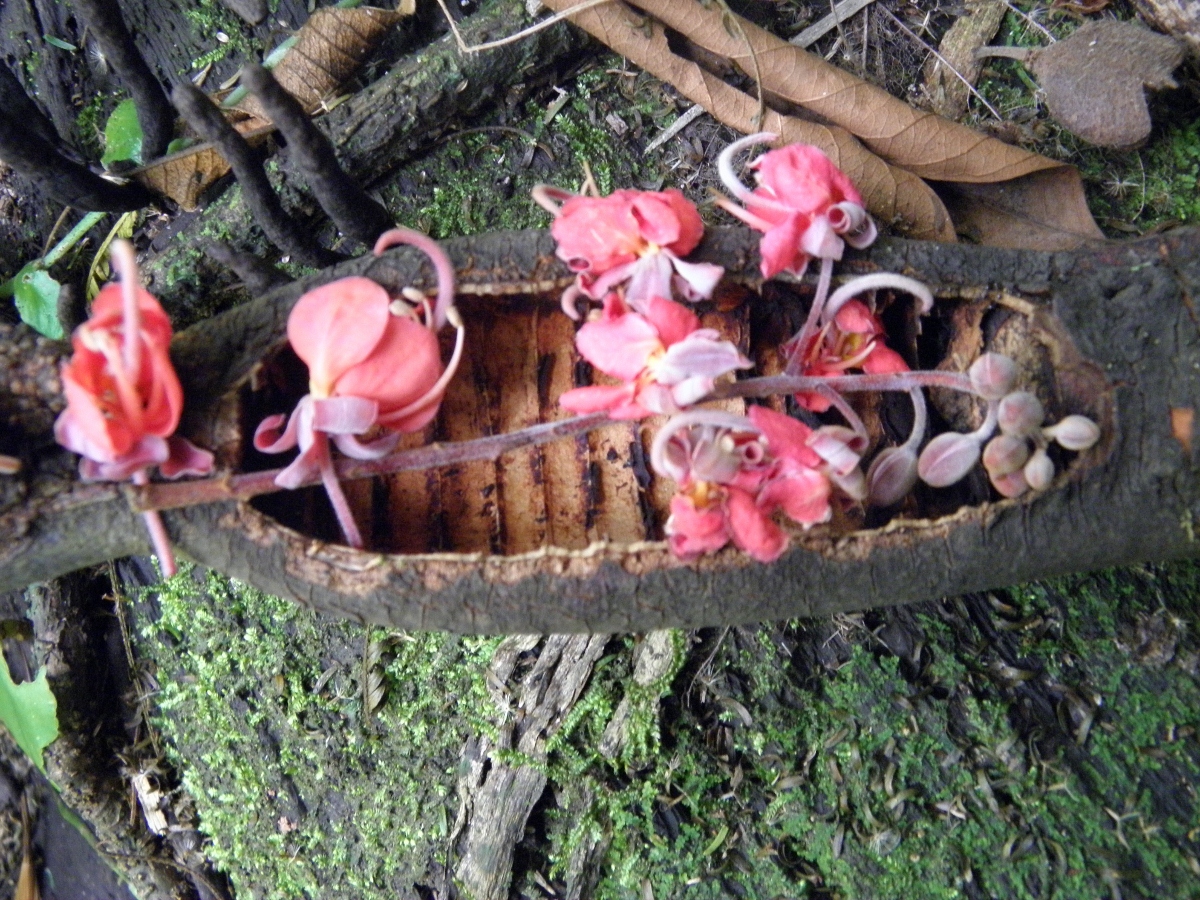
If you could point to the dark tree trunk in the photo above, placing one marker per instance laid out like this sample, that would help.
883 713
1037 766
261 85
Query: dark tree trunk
1126 308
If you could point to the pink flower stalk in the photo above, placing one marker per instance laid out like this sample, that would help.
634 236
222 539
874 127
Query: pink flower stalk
852 340
805 205
665 358
374 369
123 396
734 473
636 238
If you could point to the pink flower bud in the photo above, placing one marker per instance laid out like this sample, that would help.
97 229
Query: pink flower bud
947 458
993 375
1011 485
1074 432
1005 454
1039 471
1020 413
891 476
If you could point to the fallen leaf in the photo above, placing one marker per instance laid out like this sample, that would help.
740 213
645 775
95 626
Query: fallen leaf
885 146
894 195
184 176
329 48
1095 79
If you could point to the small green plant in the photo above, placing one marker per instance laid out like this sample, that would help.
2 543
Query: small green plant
29 712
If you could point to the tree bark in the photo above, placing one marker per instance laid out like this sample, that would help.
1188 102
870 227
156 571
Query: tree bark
1127 308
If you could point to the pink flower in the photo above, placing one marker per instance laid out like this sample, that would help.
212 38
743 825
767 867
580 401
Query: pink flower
374 368
665 358
630 236
804 205
123 396
853 340
734 474
796 483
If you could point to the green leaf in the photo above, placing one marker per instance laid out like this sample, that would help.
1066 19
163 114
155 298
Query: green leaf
59 43
122 135
178 145
37 300
29 712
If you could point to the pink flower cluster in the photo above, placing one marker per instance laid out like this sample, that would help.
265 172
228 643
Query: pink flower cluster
734 474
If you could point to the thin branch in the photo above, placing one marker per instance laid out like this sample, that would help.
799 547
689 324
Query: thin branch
523 33
154 112
351 208
281 229
256 273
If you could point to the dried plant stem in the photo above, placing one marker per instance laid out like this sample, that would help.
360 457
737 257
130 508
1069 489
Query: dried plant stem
513 38
260 197
355 212
242 487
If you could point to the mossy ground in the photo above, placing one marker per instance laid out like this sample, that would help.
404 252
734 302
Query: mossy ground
1037 742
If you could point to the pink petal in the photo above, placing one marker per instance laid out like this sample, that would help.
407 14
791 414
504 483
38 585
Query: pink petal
753 531
802 493
305 467
657 221
819 240
695 281
855 318
185 459
650 277
698 354
597 398
269 439
337 326
780 248
618 346
884 361
673 321
344 415
787 438
404 364
149 451
693 532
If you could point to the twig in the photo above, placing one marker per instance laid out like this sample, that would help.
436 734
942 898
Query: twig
677 126
260 197
824 25
945 62
154 112
256 273
350 207
523 33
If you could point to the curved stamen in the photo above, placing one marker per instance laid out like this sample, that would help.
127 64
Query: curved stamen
707 417
819 303
984 431
920 421
848 413
874 282
725 163
124 263
437 256
550 198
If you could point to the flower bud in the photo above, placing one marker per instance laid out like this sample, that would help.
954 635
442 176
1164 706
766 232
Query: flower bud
1039 471
947 458
993 375
891 476
1011 485
1020 413
1004 454
1074 432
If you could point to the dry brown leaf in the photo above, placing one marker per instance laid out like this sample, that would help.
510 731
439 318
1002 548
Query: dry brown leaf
911 142
1044 210
183 176
329 48
1094 80
892 194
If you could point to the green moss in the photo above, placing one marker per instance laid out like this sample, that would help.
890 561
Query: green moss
298 793
480 180
209 18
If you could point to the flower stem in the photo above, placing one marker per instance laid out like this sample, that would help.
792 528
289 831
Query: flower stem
159 538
